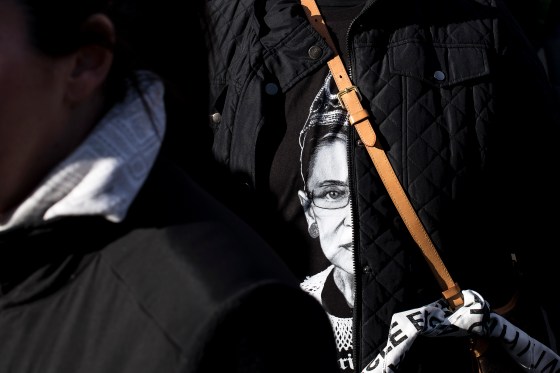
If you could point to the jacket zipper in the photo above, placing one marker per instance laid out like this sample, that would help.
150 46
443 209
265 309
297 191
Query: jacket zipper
352 139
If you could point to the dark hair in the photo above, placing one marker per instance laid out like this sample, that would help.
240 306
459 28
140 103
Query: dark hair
55 26
164 36
149 34
55 29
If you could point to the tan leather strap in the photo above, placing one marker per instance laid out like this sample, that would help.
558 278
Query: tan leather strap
349 98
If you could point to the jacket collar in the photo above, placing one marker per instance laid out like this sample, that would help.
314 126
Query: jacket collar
287 38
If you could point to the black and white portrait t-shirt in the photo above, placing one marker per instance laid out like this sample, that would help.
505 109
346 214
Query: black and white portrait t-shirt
325 201
309 178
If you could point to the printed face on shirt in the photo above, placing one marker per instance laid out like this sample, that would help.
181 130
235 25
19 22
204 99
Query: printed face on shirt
328 200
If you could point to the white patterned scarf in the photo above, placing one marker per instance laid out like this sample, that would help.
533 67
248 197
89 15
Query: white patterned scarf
473 318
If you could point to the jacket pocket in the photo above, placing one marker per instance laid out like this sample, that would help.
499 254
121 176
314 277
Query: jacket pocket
438 65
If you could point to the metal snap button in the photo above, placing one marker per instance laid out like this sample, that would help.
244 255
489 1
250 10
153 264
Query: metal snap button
271 89
315 52
439 75
216 118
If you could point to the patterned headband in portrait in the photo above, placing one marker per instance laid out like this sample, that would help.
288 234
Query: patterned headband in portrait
326 119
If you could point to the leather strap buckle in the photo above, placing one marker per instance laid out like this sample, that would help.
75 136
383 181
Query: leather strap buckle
345 91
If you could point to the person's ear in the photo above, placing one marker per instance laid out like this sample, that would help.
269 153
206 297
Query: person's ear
92 62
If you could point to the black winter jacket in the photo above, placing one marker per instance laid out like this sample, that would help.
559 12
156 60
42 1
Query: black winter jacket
179 286
474 151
